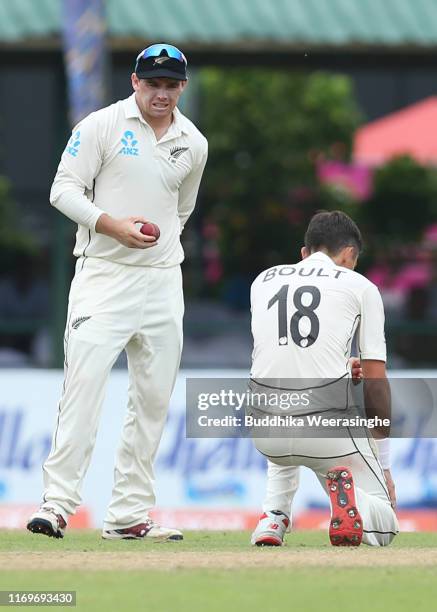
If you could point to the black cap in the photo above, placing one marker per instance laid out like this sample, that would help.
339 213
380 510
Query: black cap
161 61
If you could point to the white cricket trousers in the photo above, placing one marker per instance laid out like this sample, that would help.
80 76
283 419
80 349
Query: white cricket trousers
358 453
115 307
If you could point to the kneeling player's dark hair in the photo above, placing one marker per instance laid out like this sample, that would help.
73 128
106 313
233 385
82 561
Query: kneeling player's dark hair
332 231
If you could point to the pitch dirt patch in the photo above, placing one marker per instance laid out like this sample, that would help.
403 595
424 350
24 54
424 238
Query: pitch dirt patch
253 558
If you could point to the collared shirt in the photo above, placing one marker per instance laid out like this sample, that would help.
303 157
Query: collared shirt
114 164
305 315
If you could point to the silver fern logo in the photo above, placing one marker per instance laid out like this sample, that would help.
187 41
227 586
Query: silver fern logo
176 152
78 322
161 60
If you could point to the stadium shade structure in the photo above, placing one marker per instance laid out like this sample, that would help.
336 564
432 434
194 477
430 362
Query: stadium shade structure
368 23
408 131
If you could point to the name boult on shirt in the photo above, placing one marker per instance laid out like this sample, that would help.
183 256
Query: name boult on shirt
303 272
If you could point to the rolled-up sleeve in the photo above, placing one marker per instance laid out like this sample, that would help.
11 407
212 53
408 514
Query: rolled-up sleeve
80 163
371 333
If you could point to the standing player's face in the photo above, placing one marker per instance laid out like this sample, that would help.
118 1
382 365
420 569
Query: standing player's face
157 98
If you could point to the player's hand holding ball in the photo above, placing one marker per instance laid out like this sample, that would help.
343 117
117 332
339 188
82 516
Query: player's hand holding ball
132 232
150 229
356 370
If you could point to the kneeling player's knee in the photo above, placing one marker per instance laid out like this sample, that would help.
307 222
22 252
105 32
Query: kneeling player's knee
378 538
386 539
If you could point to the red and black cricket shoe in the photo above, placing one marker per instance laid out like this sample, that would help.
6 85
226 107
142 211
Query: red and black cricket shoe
346 526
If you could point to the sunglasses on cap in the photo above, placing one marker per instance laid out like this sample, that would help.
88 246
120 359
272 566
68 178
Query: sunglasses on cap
156 50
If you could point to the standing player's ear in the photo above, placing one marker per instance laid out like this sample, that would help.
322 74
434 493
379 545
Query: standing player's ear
304 252
135 81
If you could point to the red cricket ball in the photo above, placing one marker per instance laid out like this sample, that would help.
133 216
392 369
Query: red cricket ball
150 229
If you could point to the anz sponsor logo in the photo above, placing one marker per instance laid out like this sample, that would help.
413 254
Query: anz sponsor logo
74 144
129 144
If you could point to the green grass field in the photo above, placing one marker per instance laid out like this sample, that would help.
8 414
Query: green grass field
220 572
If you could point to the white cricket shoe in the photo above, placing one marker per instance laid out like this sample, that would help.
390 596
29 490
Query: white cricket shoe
47 522
148 530
271 529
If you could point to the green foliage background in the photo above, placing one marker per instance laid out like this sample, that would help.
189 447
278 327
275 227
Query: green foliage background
403 203
266 129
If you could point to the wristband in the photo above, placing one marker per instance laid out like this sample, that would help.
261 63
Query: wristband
383 446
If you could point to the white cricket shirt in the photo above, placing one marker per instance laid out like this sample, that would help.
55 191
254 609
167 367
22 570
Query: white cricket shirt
305 315
114 164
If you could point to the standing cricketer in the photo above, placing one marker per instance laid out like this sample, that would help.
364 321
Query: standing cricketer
304 319
139 160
